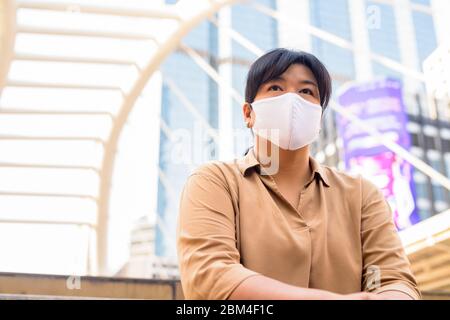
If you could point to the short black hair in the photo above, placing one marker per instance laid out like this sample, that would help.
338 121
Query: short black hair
275 62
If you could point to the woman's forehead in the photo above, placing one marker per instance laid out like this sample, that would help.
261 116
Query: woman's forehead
298 72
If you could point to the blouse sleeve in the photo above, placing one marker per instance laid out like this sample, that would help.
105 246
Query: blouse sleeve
385 264
209 260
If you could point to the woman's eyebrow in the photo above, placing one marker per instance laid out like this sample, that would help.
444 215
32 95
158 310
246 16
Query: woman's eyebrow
279 78
308 82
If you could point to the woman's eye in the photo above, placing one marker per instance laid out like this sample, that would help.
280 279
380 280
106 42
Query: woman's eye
306 91
274 88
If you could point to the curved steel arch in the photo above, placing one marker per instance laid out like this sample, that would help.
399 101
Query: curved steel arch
107 167
7 13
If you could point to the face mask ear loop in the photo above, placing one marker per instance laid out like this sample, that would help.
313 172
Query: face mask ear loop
251 129
321 119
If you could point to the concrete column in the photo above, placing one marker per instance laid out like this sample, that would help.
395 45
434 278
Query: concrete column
226 144
407 42
293 35
360 39
441 14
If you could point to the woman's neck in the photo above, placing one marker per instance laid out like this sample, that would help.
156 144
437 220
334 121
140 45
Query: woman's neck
292 164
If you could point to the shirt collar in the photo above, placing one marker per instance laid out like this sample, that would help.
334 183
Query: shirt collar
249 161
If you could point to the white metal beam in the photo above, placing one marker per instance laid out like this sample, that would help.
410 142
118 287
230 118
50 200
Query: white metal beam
85 33
48 222
165 49
51 138
49 85
48 194
188 105
211 72
90 60
7 38
160 13
47 166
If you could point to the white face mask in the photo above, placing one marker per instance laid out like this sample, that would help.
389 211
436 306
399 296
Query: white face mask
296 120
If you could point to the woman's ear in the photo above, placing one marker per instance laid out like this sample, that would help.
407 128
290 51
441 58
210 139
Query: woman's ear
249 115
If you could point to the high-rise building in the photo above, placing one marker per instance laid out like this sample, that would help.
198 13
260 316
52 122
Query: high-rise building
184 82
143 263
437 73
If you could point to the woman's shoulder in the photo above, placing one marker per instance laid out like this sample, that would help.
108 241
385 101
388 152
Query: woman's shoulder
216 169
347 180
213 174
351 187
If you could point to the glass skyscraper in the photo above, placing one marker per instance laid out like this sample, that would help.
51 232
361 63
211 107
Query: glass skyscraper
178 146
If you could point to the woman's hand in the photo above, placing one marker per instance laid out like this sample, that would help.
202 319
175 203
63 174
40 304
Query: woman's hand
260 287
394 295
359 296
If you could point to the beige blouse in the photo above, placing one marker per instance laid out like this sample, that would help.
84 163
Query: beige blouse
234 223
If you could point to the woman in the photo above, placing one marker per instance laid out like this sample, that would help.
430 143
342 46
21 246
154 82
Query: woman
276 224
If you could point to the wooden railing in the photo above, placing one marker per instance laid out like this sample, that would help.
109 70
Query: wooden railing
39 286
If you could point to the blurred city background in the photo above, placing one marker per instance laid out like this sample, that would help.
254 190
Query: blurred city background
107 106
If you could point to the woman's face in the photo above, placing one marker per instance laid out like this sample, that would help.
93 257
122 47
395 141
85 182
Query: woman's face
296 79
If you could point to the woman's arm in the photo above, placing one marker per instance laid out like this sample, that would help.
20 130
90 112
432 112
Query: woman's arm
263 288
394 295
386 269
209 260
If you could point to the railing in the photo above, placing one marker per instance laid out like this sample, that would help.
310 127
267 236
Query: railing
15 286
40 286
